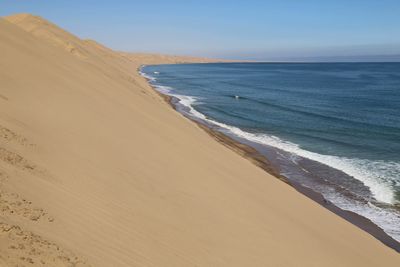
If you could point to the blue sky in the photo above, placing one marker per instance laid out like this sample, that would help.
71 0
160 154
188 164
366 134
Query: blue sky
232 29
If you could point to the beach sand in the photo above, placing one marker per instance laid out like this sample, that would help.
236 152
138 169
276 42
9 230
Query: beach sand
96 169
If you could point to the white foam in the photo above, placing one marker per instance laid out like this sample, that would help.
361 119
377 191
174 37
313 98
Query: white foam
377 175
374 174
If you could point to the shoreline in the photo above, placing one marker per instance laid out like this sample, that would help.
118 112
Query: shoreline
253 155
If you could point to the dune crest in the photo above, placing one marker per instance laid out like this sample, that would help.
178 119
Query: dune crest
48 31
97 170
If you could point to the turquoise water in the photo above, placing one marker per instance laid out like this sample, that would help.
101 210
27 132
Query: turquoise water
334 127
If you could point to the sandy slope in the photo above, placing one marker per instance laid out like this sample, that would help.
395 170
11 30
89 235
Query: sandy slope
95 169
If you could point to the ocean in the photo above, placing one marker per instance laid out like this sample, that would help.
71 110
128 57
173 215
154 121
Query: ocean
331 127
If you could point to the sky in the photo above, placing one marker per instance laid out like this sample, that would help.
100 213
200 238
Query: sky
257 30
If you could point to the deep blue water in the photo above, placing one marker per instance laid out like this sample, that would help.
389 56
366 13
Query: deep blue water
342 115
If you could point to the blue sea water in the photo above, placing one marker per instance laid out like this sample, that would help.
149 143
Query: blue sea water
333 127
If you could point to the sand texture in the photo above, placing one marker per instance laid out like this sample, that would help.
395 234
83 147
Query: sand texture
96 169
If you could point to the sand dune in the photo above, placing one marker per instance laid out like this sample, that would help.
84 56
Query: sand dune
148 59
97 170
